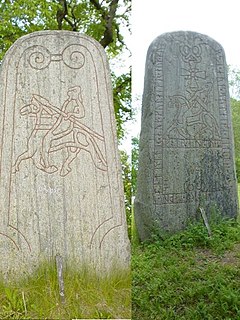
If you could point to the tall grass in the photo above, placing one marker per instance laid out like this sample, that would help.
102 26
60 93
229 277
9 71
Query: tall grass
86 296
238 218
189 275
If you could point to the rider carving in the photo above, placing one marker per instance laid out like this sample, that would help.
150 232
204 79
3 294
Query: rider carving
72 108
67 132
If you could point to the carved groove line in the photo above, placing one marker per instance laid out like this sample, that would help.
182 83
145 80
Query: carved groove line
40 57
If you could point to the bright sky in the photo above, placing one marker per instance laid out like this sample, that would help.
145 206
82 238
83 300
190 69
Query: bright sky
219 19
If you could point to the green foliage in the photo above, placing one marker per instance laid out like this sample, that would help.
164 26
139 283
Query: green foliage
135 155
87 296
235 106
129 172
19 17
22 17
234 82
126 175
122 100
196 236
189 275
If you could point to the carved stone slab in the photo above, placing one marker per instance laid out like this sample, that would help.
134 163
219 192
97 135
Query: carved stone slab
186 143
60 178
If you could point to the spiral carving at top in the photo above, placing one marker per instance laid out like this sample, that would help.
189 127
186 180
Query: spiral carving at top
39 57
72 57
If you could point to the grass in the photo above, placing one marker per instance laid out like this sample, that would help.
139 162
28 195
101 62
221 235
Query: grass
186 276
189 275
86 296
239 201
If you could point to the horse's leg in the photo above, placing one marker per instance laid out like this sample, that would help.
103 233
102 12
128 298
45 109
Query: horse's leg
48 140
46 145
45 150
72 154
38 163
88 144
96 154
28 154
23 156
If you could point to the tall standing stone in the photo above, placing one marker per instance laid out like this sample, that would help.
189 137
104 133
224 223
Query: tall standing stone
60 181
186 143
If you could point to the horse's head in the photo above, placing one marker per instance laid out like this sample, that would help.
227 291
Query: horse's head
29 109
33 108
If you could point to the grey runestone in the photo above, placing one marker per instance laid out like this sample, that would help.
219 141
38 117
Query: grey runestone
186 159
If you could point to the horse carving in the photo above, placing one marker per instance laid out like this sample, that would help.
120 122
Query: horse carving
56 129
192 118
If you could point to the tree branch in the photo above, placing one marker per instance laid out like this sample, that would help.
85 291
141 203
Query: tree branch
96 4
108 18
75 23
61 13
119 36
108 33
73 26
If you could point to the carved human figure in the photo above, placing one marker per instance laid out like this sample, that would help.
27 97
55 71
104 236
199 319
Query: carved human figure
66 132
73 109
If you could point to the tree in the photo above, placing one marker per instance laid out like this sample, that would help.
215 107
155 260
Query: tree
234 86
122 100
235 106
129 174
234 83
135 155
103 20
126 175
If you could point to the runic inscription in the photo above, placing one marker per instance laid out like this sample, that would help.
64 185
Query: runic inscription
61 191
188 159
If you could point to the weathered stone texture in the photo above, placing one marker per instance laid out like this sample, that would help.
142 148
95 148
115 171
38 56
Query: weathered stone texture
60 180
186 142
